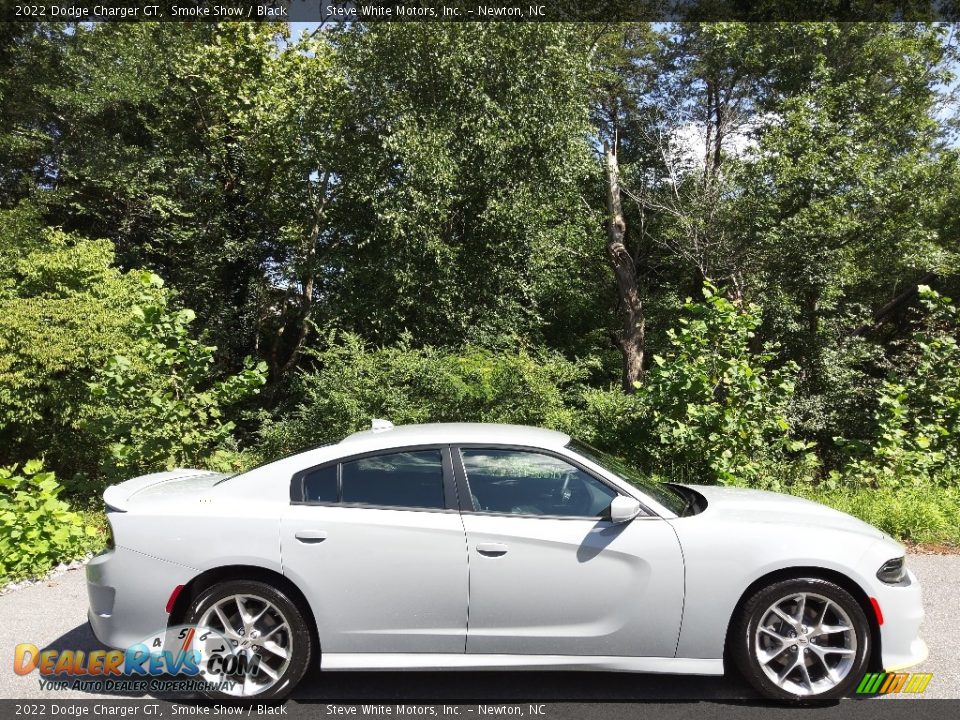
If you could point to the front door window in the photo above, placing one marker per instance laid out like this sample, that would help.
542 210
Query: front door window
520 482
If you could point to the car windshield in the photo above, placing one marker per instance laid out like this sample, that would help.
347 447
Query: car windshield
663 494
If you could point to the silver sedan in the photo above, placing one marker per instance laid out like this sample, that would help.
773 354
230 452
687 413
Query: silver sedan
480 546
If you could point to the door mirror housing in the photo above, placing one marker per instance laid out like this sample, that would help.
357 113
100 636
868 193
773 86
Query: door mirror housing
624 509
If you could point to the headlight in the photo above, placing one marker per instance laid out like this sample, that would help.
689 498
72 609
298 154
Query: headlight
893 572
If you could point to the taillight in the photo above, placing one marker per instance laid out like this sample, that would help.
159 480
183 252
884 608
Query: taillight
172 600
111 544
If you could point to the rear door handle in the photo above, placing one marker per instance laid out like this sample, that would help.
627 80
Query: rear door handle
492 549
310 536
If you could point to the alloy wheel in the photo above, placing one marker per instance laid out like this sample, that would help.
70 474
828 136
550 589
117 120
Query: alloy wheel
805 643
258 632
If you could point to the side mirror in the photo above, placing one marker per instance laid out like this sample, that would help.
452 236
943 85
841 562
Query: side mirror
624 509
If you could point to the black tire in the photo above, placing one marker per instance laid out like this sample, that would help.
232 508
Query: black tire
745 649
300 635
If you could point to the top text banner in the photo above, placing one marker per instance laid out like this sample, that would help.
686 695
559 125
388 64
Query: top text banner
332 12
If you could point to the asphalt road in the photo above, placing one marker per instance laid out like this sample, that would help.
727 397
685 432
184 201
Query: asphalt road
53 615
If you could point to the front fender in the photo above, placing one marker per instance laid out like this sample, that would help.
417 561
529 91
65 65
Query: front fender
722 559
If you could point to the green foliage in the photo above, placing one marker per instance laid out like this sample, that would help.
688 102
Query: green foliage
159 406
840 200
431 189
918 416
353 383
37 529
710 409
918 514
152 152
469 151
64 310
31 55
424 176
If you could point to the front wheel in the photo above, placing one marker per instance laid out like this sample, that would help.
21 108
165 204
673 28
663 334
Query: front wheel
271 643
803 639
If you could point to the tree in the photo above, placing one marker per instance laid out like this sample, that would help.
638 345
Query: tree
31 58
617 74
657 95
379 179
285 119
840 203
468 152
632 338
150 154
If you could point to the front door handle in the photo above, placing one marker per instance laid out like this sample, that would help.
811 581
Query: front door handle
492 549
310 536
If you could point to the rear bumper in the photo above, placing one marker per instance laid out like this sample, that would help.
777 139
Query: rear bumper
902 609
128 593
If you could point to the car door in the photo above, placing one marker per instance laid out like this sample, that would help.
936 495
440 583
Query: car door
549 574
377 544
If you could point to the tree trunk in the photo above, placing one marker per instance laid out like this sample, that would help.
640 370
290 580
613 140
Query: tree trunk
813 312
632 335
894 306
301 321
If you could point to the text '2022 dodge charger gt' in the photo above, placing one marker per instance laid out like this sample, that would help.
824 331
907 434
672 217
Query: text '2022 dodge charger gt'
481 546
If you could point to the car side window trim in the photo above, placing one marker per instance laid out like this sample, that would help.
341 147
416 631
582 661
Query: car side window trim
450 494
466 499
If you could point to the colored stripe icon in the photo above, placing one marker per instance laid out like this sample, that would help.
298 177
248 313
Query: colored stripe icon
886 683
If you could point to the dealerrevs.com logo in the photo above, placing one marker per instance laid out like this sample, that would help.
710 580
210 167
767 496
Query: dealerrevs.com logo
184 658
885 683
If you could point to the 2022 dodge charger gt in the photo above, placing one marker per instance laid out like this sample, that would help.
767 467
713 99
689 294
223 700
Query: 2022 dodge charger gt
480 546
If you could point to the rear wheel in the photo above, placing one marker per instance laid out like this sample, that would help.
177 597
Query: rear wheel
803 639
270 639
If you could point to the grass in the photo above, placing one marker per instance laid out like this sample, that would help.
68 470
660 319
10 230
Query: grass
915 515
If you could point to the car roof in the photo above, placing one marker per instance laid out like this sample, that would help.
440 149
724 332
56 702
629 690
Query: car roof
466 433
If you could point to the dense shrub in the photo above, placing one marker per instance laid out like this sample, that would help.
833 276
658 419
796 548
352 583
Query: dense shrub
161 405
710 409
37 528
917 438
64 310
352 382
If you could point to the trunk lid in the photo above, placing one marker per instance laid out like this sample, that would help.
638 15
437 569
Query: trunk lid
162 486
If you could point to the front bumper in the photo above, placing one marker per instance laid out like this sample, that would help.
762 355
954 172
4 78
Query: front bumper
128 593
902 608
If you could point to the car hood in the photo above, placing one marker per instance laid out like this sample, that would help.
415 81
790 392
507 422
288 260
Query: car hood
170 485
776 508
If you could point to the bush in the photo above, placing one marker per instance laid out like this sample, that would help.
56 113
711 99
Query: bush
161 406
37 529
352 383
917 439
911 514
709 410
64 310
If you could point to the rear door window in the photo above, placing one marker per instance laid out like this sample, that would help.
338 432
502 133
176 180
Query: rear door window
404 479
